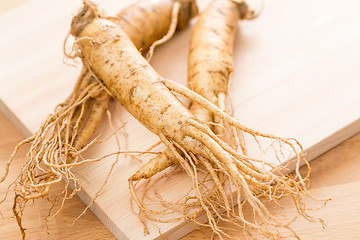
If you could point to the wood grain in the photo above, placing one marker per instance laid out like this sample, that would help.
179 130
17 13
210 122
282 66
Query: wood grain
335 175
296 74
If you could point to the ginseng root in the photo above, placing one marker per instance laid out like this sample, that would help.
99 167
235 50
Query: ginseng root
57 146
114 60
210 64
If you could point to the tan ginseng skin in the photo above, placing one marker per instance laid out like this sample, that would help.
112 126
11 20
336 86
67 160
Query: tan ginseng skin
131 79
210 63
114 60
149 20
210 60
145 22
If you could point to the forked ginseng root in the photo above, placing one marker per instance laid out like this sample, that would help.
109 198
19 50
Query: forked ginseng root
209 69
57 146
111 56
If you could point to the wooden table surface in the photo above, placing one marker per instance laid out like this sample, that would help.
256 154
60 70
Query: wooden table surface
334 175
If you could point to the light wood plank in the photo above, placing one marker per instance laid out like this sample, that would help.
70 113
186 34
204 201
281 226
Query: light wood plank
296 74
335 174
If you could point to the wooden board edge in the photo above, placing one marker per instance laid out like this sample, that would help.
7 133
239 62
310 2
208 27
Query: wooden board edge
182 229
333 140
25 132
101 215
326 144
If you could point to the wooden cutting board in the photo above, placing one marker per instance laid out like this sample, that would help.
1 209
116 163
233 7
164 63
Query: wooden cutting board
297 73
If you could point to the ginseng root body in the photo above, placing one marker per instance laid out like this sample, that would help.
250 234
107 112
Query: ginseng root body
115 61
136 85
210 64
57 146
